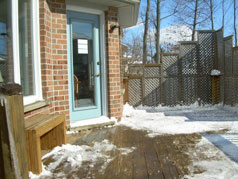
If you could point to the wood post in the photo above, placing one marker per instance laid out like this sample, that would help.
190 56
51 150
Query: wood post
126 93
13 155
215 89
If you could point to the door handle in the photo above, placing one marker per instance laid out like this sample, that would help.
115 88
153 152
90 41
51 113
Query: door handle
97 75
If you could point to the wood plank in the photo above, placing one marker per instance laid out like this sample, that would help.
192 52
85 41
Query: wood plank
111 170
139 164
169 170
7 164
153 165
18 130
2 173
34 151
43 132
46 126
126 161
54 138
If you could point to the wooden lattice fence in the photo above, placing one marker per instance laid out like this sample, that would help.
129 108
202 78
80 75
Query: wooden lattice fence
185 78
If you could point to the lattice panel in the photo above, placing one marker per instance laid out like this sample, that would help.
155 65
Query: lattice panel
219 36
152 91
170 65
188 55
135 69
189 90
135 92
228 90
170 91
228 56
205 89
152 71
235 61
235 91
206 52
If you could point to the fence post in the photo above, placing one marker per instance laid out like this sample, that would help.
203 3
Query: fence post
215 89
125 86
13 156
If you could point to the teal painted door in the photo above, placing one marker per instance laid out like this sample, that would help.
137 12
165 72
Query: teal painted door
84 66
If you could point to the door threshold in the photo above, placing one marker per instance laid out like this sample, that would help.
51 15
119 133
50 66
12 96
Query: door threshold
91 123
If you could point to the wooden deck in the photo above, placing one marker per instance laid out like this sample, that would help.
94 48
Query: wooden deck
159 157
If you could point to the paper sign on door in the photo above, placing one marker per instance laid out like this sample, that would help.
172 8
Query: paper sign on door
82 46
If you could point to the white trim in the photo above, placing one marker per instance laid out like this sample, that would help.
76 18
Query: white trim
76 8
86 7
104 65
36 48
36 56
15 42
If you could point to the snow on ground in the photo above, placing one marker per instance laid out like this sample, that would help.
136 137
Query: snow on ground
227 142
180 119
74 156
210 163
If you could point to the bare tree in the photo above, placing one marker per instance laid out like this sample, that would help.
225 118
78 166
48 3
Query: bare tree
134 48
156 21
192 13
157 60
195 20
146 32
213 7
235 30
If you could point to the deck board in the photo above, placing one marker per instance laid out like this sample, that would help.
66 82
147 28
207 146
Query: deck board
160 157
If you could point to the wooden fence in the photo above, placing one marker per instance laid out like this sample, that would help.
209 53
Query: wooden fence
185 78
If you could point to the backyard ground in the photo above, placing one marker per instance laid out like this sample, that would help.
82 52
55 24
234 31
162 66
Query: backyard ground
160 142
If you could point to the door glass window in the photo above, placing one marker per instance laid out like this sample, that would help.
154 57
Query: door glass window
83 67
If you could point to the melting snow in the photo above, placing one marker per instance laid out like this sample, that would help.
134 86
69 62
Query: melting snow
211 162
180 119
215 72
208 161
73 157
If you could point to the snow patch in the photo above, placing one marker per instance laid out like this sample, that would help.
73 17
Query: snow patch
215 72
179 119
73 157
127 110
211 162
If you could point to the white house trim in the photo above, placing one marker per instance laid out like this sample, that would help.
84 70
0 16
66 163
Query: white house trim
15 40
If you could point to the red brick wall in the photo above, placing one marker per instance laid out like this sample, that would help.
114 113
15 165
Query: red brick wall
53 52
53 49
113 62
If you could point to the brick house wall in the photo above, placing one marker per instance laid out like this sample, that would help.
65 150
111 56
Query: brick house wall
53 52
113 42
